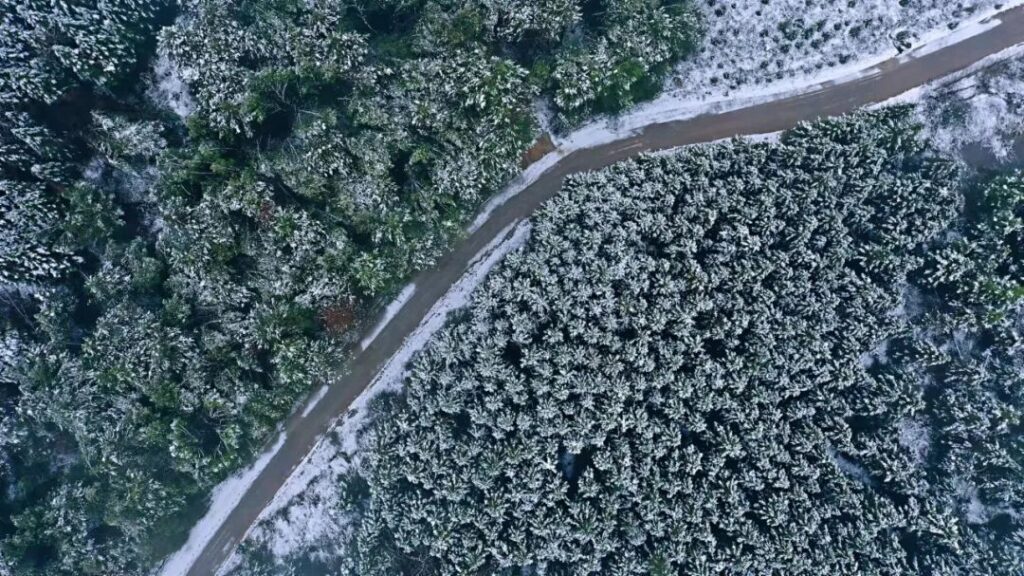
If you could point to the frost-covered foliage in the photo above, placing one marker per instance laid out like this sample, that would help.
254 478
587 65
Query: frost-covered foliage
124 143
168 88
755 42
51 55
48 47
227 52
169 289
245 60
667 380
28 218
968 350
978 276
983 109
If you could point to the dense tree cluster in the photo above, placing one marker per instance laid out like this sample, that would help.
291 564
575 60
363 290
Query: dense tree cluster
966 350
56 58
697 366
168 290
64 68
248 60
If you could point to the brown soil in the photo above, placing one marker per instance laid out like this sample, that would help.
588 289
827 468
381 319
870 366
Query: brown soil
542 146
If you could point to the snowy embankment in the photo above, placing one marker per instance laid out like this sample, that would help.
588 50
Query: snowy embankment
305 515
393 308
223 500
979 106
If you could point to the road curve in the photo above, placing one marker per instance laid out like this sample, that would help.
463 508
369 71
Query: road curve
893 77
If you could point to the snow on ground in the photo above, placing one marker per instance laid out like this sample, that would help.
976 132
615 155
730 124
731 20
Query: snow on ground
851 468
314 400
983 110
755 43
168 88
307 518
915 437
389 313
223 500
517 185
981 107
974 510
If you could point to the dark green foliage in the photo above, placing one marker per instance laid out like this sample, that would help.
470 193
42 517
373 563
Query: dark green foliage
682 374
54 57
640 41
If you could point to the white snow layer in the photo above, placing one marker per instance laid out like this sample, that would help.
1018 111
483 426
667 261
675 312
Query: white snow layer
982 108
315 399
223 500
979 106
389 313
168 88
518 184
305 516
916 438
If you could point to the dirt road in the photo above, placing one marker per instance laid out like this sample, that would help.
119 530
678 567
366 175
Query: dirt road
893 78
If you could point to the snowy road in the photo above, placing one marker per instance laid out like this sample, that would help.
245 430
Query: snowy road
301 432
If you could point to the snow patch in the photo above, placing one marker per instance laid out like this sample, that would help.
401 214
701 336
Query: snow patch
965 76
975 511
878 355
936 40
389 313
980 107
521 182
314 400
168 88
233 562
223 499
915 437
851 468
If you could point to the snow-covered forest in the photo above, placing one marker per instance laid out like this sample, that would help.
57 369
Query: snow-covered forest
712 362
751 44
203 203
